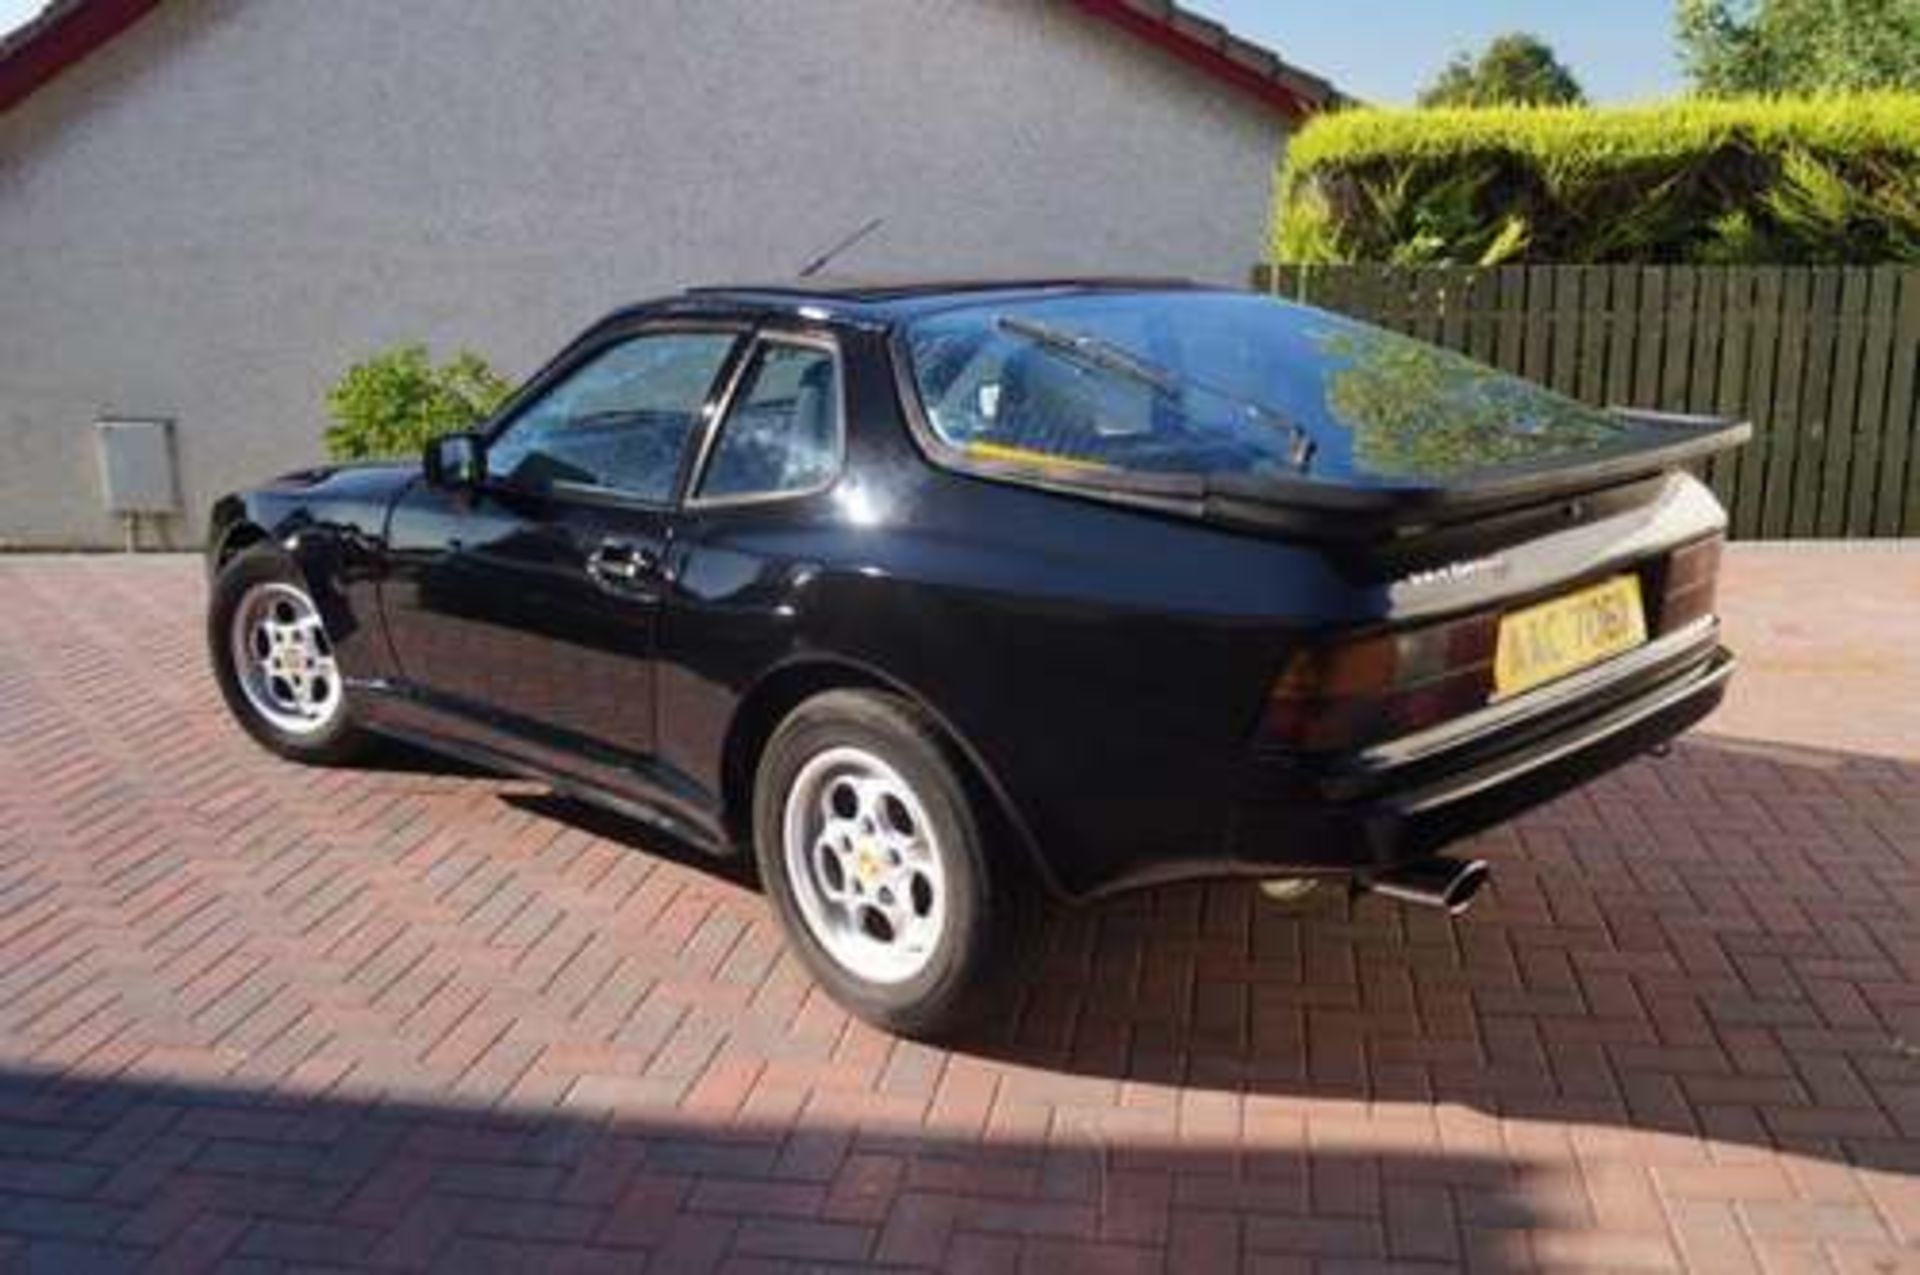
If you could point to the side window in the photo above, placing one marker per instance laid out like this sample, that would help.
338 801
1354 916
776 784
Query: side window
619 421
783 431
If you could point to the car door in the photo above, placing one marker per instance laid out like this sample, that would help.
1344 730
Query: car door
763 492
531 600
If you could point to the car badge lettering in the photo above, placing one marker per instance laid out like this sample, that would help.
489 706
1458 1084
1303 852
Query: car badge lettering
1457 572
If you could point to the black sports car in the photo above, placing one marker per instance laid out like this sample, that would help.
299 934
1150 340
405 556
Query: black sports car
945 597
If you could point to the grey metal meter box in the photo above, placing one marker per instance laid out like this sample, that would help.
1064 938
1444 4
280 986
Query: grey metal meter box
136 466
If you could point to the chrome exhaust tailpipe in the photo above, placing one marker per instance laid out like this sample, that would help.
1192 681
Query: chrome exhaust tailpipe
1448 884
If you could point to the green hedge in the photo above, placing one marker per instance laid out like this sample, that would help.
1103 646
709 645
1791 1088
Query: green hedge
1779 181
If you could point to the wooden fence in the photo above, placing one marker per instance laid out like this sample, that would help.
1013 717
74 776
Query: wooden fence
1822 360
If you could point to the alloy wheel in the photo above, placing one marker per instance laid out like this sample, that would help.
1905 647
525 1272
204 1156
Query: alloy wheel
864 863
284 660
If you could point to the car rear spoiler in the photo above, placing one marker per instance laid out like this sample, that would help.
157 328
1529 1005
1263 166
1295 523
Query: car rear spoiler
1316 509
1662 442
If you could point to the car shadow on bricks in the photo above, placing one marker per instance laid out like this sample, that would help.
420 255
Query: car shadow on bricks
1717 949
1715 955
609 825
152 1169
395 757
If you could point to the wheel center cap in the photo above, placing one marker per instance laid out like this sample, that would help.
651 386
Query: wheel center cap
866 861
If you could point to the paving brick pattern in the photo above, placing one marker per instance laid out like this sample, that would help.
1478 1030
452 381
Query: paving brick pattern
255 1017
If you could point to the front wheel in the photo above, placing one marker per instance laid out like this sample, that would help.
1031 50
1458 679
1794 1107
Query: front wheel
870 847
274 661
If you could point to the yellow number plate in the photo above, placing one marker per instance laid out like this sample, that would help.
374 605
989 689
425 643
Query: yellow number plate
1567 634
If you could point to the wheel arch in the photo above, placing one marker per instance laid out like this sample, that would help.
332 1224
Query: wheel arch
234 537
783 689
314 554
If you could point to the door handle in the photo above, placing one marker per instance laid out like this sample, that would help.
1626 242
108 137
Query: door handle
617 562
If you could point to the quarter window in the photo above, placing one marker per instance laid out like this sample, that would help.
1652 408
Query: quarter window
783 432
620 421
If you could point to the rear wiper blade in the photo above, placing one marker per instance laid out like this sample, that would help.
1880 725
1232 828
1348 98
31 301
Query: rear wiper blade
1091 351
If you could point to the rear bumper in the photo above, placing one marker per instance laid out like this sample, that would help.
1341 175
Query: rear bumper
1412 797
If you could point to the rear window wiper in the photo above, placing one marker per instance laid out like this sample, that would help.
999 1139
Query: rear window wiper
1090 351
1093 352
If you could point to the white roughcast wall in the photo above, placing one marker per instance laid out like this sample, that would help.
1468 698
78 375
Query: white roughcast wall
213 215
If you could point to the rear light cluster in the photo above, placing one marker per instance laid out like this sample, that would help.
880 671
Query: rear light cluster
1687 593
1350 693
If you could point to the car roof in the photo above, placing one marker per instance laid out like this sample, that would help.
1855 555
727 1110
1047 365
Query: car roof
885 300
883 289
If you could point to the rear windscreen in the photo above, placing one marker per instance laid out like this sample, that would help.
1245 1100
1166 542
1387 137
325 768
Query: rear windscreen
1198 382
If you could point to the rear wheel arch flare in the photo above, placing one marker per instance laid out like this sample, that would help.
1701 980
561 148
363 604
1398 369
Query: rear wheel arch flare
784 689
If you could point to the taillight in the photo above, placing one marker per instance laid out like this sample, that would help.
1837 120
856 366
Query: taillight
1346 694
1349 693
1692 572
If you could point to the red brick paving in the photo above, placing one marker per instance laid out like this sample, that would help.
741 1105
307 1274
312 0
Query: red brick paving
261 1017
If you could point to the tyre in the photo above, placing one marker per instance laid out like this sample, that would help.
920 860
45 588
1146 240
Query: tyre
274 661
873 852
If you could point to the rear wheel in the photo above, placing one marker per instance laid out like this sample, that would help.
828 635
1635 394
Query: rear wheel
274 661
874 856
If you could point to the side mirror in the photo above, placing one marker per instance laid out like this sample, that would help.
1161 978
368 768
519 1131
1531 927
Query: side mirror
455 460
